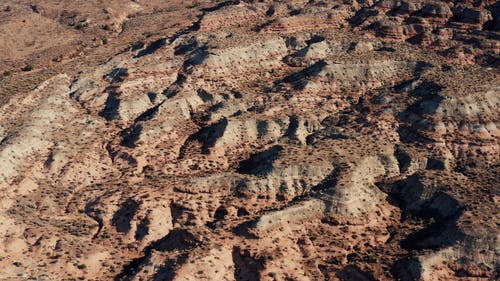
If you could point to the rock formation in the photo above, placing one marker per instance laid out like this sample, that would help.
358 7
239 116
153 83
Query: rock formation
250 140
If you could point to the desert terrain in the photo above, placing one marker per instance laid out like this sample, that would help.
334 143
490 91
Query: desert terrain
249 140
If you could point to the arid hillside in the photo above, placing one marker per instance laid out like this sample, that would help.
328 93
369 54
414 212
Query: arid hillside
249 140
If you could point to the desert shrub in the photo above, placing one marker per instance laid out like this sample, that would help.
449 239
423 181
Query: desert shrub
28 67
81 266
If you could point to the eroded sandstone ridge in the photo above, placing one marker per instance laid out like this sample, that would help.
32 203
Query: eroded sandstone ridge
254 140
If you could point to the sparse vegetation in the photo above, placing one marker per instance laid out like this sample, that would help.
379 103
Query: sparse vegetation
34 8
28 67
81 266
212 149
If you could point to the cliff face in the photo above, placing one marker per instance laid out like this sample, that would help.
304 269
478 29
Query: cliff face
253 140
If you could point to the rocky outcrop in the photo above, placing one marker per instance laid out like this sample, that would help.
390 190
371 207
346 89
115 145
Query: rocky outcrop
436 25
